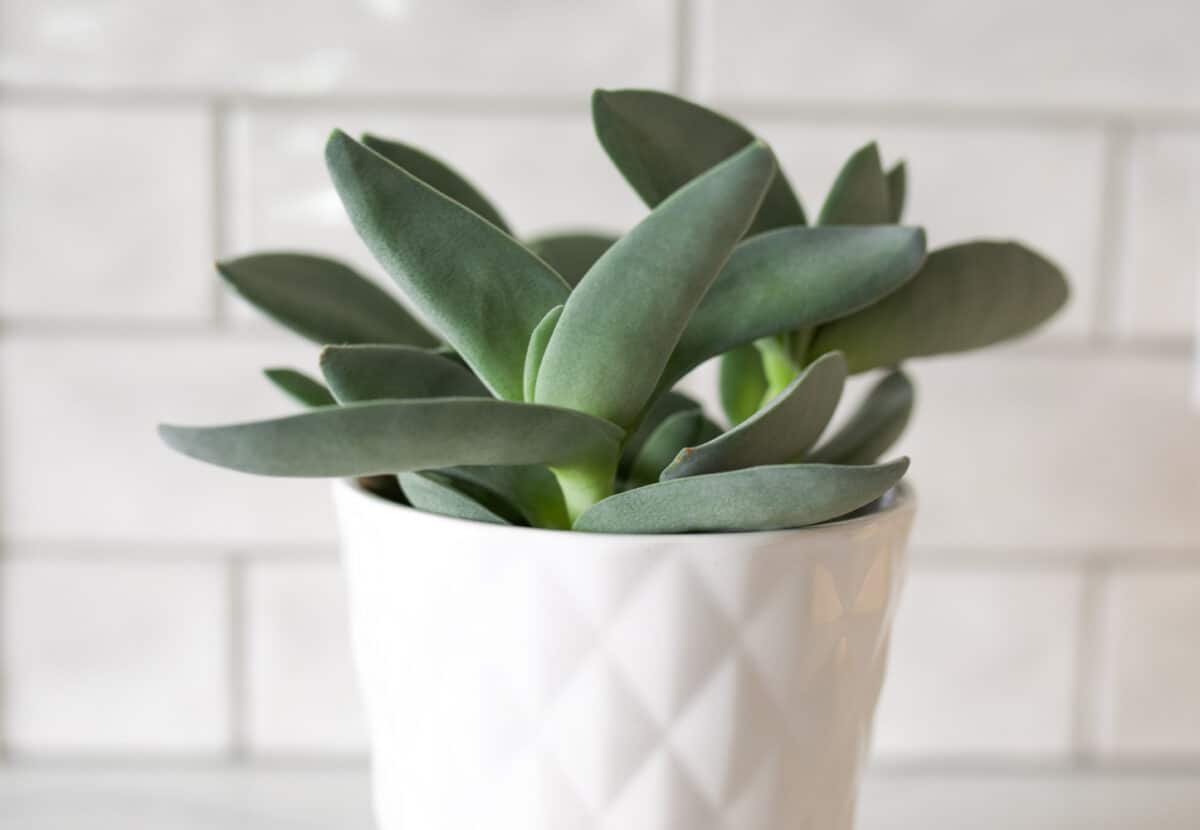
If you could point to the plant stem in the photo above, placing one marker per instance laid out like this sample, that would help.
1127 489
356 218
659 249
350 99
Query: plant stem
778 365
585 484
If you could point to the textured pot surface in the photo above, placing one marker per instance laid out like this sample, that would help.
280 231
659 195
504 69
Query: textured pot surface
521 679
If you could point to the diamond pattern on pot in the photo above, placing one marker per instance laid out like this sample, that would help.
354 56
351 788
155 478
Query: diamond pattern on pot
527 680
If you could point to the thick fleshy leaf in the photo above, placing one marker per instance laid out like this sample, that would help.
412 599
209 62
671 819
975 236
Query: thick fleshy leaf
873 428
482 289
663 407
897 181
680 430
435 493
300 387
537 349
438 175
741 383
758 498
779 433
396 436
571 254
860 194
793 278
661 142
625 317
373 373
529 490
322 299
965 297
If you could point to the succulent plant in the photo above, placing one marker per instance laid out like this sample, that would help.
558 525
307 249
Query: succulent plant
537 387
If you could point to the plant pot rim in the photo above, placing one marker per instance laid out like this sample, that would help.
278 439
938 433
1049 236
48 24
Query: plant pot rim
899 501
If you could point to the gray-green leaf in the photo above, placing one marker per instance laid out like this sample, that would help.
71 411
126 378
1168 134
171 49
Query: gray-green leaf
874 427
674 433
965 297
299 386
529 490
395 436
860 194
438 175
661 142
537 349
662 408
792 278
571 254
322 299
625 317
482 289
780 432
897 181
435 493
741 383
372 373
758 498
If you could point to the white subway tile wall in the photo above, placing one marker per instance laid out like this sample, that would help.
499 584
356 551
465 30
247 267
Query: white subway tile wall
152 606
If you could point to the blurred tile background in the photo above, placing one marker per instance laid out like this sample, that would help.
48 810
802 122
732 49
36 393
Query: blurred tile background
153 607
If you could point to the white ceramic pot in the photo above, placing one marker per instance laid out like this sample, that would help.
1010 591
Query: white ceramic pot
519 679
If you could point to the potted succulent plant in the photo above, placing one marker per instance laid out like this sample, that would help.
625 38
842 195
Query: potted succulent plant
577 600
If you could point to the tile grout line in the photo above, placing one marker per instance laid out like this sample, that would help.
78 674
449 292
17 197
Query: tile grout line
218 194
1089 675
909 111
1112 230
127 328
683 82
236 691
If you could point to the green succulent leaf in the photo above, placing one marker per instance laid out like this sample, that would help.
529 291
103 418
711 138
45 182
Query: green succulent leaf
537 349
530 491
874 427
438 175
780 432
436 493
897 181
571 254
741 383
322 299
372 373
758 498
677 431
661 142
396 436
624 318
663 407
964 297
300 387
792 278
482 289
860 194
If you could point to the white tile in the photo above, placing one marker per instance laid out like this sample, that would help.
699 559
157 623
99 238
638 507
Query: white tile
543 172
106 657
1160 251
82 461
1041 187
106 212
982 664
1025 52
1151 664
302 693
1022 450
470 46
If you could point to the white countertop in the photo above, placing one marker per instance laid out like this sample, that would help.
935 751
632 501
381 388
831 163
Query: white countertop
35 797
